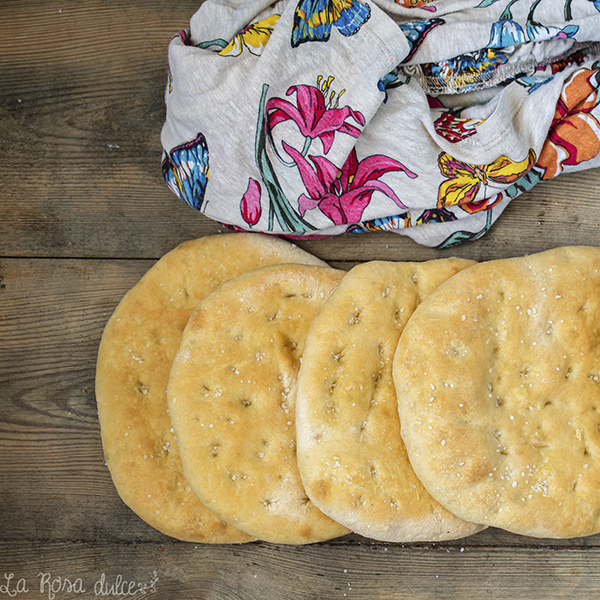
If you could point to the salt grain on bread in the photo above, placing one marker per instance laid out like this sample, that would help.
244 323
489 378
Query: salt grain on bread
134 360
351 457
231 397
497 376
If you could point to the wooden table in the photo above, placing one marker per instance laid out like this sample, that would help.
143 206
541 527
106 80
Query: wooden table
84 212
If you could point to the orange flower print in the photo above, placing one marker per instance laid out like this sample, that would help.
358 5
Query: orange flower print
574 135
417 4
478 205
465 180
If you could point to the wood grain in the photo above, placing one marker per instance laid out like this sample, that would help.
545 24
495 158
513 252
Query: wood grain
81 108
81 111
60 513
257 571
84 212
49 433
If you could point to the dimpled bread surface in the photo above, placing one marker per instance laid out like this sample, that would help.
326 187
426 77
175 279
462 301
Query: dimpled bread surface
351 457
134 360
498 383
232 395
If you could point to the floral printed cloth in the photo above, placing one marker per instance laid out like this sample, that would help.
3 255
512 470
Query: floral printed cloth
422 117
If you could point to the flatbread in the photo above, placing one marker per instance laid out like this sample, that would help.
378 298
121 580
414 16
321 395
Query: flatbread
498 382
231 398
134 360
351 457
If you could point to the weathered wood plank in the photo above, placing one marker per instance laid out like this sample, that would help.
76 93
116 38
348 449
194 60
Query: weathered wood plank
80 116
81 108
53 481
257 571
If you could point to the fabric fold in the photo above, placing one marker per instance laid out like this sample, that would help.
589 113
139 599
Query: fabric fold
319 118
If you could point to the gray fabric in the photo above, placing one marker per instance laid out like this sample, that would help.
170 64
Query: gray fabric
426 121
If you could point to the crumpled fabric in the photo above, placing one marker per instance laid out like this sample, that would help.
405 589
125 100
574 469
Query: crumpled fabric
425 118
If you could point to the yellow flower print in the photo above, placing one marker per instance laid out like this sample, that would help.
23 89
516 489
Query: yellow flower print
255 37
465 180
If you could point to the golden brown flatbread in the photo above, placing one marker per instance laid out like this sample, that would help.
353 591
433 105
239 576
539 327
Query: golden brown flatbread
351 457
134 360
232 394
497 375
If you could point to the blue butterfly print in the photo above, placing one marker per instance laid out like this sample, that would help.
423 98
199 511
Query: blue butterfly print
186 170
393 223
392 80
313 19
416 32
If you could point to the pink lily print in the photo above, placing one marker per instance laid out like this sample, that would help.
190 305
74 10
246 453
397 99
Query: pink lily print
342 195
250 207
316 113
